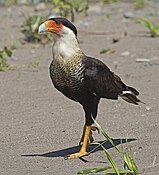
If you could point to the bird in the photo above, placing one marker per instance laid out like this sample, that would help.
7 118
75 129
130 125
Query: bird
82 78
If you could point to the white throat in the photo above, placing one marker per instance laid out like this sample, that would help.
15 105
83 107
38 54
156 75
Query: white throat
65 45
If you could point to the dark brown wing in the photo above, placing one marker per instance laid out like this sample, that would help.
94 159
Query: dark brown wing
100 80
103 83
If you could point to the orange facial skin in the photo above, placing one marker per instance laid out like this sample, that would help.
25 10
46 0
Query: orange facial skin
52 26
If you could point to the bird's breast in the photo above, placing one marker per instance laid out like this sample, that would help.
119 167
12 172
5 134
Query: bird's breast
68 73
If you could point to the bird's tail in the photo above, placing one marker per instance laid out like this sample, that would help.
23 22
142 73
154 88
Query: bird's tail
130 95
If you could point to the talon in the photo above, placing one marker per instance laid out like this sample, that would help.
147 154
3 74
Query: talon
94 128
91 139
76 155
80 142
66 157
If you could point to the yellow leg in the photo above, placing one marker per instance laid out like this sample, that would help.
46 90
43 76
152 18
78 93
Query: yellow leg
82 151
91 139
82 138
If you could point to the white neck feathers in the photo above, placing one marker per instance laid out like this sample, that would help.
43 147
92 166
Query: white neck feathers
65 45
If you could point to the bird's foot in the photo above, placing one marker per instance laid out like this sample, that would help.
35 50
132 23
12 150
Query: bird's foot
76 155
82 152
90 139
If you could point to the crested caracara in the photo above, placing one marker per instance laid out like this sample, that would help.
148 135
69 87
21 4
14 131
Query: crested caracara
82 78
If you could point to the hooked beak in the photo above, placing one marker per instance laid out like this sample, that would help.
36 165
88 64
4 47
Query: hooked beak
50 26
42 28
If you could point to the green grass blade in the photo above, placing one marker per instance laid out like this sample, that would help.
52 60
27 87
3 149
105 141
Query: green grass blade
111 161
129 161
121 172
106 135
96 147
153 28
93 170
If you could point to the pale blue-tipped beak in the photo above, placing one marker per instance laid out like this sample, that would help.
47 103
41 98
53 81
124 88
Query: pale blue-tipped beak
42 28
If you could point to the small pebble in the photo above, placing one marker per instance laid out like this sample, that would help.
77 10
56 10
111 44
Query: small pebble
148 108
96 10
126 53
142 60
128 14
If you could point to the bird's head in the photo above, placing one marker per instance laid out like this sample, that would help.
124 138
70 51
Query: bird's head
65 36
58 26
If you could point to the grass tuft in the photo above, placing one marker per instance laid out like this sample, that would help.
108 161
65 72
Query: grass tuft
152 27
5 52
71 7
94 170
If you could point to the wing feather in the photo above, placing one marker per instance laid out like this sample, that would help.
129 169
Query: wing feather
100 80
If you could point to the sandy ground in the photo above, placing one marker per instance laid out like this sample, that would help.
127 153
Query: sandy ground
39 126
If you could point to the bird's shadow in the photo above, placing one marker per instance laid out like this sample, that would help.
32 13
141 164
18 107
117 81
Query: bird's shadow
71 150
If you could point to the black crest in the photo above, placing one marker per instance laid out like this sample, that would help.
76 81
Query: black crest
66 23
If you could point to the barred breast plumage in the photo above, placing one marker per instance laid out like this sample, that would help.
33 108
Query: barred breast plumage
68 76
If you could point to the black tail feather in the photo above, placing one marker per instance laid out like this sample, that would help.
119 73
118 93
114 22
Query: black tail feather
130 98
130 95
133 90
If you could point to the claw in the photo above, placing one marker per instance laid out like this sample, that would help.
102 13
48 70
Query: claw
80 142
76 155
91 139
94 128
